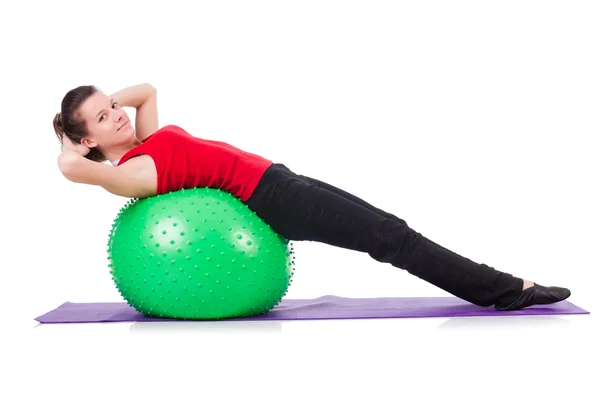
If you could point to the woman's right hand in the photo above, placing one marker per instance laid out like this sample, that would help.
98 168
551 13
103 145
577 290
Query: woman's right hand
68 144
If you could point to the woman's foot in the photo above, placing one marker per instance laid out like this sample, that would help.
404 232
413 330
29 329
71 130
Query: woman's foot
535 294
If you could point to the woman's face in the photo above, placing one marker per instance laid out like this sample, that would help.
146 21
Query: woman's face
107 123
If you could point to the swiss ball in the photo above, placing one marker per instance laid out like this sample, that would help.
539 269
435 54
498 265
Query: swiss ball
197 254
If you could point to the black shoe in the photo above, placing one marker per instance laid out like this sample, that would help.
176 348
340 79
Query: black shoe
537 295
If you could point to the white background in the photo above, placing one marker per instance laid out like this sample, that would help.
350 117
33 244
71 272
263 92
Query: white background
475 121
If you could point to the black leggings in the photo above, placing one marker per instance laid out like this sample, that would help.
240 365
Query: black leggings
301 208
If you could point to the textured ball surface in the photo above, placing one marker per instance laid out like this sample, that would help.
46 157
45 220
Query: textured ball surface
197 254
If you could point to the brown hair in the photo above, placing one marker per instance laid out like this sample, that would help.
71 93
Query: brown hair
69 123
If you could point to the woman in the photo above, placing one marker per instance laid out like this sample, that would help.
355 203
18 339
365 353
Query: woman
147 161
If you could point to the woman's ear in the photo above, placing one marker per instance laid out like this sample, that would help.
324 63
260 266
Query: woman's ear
89 142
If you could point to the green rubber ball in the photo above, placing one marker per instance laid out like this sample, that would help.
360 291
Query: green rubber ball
197 254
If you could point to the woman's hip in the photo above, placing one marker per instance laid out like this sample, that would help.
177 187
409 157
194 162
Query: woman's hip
303 208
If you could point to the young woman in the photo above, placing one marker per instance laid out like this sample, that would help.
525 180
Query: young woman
94 128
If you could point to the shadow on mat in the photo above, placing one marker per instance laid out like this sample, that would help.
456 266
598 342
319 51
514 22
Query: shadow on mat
504 322
212 327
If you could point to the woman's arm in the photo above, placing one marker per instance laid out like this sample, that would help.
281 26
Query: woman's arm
115 180
143 98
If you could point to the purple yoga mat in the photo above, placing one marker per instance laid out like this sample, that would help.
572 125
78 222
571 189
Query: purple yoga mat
327 307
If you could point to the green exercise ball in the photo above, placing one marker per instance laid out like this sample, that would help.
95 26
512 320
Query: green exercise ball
197 254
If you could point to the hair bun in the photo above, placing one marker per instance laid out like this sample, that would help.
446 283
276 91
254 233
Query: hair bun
58 119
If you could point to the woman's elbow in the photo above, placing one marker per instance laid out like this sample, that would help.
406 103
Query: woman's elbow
150 88
66 163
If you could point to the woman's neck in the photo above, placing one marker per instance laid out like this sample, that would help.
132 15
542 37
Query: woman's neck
115 154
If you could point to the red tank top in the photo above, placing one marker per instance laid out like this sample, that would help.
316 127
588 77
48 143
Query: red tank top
184 161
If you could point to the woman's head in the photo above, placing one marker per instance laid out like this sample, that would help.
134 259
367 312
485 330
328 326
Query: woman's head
91 118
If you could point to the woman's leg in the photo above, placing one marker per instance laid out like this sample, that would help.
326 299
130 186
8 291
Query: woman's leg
361 202
351 197
302 208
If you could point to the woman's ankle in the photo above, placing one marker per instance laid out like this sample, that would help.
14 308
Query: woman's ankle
527 284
